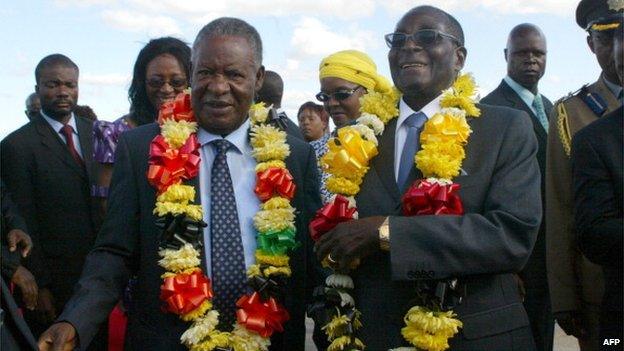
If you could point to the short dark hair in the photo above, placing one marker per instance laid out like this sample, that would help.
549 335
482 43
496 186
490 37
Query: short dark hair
141 109
452 25
319 109
229 26
272 89
53 60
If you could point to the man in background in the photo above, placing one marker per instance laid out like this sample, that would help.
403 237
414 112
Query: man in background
271 93
33 106
576 284
526 63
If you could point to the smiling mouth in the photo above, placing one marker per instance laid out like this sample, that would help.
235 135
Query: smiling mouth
413 65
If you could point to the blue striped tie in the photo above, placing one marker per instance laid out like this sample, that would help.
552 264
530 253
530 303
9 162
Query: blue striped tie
414 124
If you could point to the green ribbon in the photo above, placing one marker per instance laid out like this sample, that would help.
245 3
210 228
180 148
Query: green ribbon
277 242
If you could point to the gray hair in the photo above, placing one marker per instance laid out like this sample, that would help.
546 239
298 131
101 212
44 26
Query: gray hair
228 26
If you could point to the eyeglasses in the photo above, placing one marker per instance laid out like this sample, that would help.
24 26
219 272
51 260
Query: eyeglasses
176 83
423 38
339 95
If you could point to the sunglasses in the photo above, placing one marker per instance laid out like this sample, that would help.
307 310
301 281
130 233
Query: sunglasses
339 95
423 38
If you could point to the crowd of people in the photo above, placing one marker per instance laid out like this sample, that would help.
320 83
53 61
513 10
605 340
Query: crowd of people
424 220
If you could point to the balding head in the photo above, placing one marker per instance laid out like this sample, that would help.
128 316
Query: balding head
33 105
526 55
272 90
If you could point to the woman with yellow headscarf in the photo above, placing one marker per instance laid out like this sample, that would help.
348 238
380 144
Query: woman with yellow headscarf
346 76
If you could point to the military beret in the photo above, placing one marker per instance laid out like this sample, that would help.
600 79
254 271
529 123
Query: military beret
599 14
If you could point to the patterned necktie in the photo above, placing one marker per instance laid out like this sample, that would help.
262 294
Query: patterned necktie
228 260
414 124
538 105
68 133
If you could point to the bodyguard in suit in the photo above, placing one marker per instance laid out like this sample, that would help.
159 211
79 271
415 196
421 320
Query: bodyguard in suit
576 284
226 73
526 63
482 248
271 93
46 165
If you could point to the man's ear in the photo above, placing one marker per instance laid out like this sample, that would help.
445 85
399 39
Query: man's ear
259 79
37 89
590 43
505 53
190 77
460 58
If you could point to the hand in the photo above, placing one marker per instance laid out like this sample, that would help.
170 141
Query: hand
350 241
59 337
572 323
28 286
17 238
45 306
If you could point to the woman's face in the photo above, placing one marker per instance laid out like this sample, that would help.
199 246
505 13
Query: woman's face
346 110
311 125
164 79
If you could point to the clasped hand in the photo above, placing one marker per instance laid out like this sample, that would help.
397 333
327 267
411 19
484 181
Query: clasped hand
350 242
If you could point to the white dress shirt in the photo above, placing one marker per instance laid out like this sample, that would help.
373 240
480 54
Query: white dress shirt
405 111
57 126
243 173
525 94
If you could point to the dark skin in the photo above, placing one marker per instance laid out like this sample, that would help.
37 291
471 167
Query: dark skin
225 78
601 44
350 242
526 56
22 277
33 106
342 112
57 88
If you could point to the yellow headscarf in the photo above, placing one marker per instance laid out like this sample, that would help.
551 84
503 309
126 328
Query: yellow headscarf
356 67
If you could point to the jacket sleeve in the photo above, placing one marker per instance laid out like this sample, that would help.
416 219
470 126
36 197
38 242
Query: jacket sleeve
108 266
598 222
497 239
561 251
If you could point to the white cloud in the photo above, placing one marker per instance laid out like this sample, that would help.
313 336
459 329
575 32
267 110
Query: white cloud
153 25
503 7
313 39
114 79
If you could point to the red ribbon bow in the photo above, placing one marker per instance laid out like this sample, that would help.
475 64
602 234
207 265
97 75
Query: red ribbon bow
185 292
425 198
263 317
328 216
179 109
274 180
168 166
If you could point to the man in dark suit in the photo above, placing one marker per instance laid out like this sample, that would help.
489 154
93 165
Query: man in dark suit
46 165
227 71
482 248
15 244
271 93
526 63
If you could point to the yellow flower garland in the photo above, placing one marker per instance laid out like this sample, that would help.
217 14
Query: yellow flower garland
270 150
443 140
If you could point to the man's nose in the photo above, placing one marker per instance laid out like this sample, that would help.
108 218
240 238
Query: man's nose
219 85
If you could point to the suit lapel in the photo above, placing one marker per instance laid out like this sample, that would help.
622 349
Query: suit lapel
85 132
51 140
384 162
517 103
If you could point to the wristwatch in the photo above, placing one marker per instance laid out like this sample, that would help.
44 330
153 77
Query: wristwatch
384 235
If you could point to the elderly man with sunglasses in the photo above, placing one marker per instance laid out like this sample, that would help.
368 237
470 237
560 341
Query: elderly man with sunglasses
461 262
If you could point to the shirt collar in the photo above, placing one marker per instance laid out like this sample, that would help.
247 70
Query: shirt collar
238 138
429 109
56 125
525 94
614 88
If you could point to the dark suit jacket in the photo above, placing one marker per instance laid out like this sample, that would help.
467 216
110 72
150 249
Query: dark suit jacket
483 247
128 244
14 332
597 165
53 195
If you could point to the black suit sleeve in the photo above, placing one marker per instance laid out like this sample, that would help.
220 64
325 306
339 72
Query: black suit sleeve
107 267
10 220
497 239
599 228
19 177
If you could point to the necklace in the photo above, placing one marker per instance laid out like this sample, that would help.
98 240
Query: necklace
186 290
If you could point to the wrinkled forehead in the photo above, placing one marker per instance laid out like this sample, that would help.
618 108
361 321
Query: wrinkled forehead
222 47
422 19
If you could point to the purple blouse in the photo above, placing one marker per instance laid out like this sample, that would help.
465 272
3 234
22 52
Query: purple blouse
105 137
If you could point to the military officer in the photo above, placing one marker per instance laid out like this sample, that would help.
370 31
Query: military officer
576 284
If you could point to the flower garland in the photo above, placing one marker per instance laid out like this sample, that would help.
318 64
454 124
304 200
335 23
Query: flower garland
186 290
443 140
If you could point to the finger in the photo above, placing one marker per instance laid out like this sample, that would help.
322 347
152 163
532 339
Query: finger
12 240
45 342
27 247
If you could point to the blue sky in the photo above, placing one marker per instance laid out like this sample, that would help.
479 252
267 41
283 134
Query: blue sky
104 36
